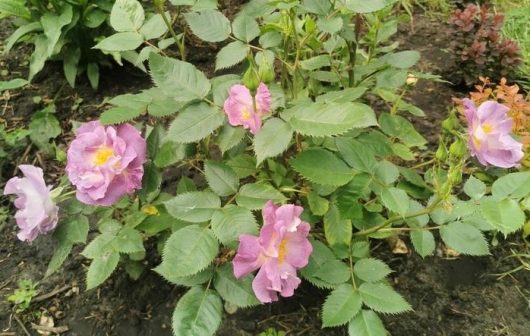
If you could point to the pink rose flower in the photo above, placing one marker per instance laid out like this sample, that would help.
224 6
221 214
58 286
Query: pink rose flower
243 109
280 250
37 213
105 163
490 140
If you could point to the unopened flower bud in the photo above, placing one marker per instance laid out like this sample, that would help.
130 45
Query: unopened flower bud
458 148
159 3
411 79
251 79
266 71
455 176
441 153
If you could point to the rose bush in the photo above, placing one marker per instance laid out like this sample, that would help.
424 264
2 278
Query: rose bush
295 137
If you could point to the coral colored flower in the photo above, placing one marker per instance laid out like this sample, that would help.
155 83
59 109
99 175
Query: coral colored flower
280 250
37 212
105 163
490 139
243 109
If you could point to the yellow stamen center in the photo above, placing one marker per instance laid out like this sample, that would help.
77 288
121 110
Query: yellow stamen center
487 128
282 251
151 210
102 155
245 114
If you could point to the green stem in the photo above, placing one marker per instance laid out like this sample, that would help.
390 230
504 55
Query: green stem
396 218
180 44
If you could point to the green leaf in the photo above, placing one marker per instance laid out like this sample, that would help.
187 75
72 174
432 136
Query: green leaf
316 62
129 240
92 71
504 215
155 27
386 172
253 196
383 298
15 8
177 79
514 185
195 123
320 7
318 205
101 268
187 281
198 313
357 155
221 178
120 114
336 229
320 256
43 127
475 188
401 128
52 26
330 25
127 16
395 200
371 270
62 250
98 246
464 238
231 54
232 221
70 63
363 6
19 33
12 84
273 139
121 42
94 17
73 229
245 28
243 164
169 153
221 86
195 207
342 96
230 136
188 251
236 291
341 306
402 59
316 165
423 242
327 119
366 323
209 25
38 57
333 272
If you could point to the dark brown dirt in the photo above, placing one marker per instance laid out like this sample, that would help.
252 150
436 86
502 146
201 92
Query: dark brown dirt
450 297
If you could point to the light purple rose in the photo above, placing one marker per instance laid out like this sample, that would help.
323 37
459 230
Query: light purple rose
490 140
37 213
243 109
280 250
105 162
